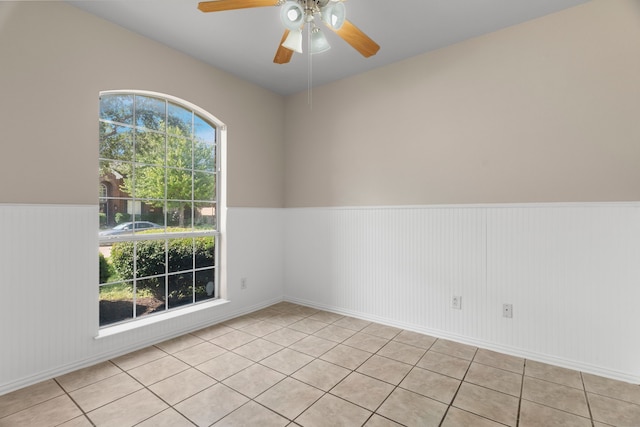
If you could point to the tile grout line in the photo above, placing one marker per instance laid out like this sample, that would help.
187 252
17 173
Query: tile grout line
395 386
374 412
524 368
145 387
74 402
163 400
589 418
62 389
458 388
586 397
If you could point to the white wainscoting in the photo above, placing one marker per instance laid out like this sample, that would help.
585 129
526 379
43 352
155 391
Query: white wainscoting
49 295
571 271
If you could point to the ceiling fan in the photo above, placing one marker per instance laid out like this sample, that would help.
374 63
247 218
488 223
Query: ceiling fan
295 14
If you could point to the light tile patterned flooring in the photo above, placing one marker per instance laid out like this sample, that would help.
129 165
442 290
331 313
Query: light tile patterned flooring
290 365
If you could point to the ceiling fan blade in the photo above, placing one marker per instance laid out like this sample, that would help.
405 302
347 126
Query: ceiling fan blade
220 5
283 55
357 39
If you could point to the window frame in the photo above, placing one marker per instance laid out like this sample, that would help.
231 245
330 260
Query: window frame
218 201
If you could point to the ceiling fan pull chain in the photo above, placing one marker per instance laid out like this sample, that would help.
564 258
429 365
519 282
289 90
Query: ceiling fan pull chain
309 71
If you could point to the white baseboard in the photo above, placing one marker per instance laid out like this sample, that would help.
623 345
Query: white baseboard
84 363
544 358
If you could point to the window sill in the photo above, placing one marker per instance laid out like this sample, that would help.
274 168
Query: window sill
146 321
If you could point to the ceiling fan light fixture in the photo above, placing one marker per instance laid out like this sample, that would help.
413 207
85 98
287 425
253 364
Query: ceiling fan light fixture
318 42
294 41
292 15
334 15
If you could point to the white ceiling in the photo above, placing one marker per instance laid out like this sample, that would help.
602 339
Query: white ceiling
243 42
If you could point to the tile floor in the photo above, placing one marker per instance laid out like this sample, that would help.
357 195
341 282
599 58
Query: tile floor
290 365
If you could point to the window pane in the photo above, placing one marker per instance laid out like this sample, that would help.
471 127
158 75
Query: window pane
150 258
180 289
179 184
205 285
150 296
121 258
204 158
117 108
205 216
205 252
180 254
150 113
118 224
134 210
204 186
103 208
150 147
108 272
116 142
114 172
180 120
203 130
149 182
112 213
179 214
152 211
113 208
147 227
179 153
116 303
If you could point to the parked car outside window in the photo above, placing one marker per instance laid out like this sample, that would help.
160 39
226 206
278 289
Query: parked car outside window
128 227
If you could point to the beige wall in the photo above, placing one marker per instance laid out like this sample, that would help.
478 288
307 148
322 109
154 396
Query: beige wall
545 111
55 59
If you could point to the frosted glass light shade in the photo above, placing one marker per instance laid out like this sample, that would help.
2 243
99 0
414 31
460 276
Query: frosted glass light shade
319 42
294 41
334 15
292 15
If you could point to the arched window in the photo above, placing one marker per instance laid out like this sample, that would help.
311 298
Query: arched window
160 154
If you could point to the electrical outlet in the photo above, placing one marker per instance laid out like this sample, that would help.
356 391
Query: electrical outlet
243 283
507 310
456 302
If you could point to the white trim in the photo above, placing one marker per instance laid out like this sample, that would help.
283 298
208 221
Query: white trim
84 363
426 206
476 206
513 351
45 205
138 237
141 322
